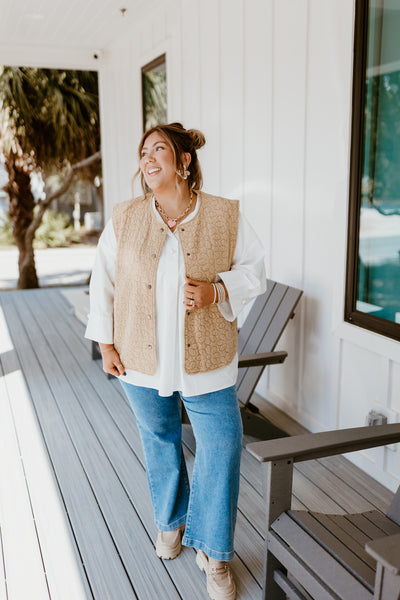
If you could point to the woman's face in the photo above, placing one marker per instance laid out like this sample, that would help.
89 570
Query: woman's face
157 163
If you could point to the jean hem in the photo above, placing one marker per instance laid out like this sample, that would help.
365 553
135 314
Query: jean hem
172 526
222 556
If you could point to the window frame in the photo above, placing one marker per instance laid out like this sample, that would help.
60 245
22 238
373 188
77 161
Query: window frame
162 59
351 314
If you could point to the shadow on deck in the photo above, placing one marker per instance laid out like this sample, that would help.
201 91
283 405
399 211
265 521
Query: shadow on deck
75 511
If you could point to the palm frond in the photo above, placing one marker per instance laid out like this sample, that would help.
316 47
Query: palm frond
52 113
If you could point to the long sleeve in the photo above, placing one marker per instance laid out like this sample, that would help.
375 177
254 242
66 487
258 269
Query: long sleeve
100 323
246 278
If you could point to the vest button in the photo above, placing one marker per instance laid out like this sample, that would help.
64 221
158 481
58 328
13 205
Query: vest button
149 286
188 312
187 253
153 255
149 316
161 229
188 345
150 346
182 229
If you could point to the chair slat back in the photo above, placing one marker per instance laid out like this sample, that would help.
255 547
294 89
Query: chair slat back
252 319
394 509
262 329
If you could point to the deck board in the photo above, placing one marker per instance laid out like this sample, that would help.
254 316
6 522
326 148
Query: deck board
95 545
91 446
370 489
16 514
191 587
139 575
50 518
129 470
350 500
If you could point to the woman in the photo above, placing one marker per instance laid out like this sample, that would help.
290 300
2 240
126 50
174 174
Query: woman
173 269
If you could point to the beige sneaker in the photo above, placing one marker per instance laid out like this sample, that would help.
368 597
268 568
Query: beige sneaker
169 543
220 583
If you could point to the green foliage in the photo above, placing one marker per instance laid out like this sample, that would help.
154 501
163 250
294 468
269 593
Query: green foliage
49 122
50 115
55 231
155 97
381 173
6 236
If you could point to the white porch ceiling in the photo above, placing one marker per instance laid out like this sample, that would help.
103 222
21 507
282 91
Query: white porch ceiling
66 23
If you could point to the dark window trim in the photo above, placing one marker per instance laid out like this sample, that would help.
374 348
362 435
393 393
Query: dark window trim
149 67
352 315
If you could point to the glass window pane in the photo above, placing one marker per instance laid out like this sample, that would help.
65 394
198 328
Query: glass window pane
378 268
154 93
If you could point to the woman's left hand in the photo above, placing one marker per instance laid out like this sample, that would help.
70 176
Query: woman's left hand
197 294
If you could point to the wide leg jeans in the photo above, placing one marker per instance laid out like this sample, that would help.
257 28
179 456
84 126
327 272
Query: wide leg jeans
208 505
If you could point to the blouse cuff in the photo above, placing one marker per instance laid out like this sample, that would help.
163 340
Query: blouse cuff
239 294
100 328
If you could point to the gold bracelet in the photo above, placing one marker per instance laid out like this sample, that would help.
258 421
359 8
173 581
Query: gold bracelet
215 292
221 293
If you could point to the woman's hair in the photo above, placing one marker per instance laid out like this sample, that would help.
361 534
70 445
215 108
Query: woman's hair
181 140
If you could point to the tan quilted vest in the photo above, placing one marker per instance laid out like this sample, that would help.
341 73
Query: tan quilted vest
208 243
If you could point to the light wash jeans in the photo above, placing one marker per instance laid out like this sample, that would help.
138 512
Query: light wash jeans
209 505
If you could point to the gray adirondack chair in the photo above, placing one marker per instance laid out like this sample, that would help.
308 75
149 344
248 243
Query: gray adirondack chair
257 340
330 557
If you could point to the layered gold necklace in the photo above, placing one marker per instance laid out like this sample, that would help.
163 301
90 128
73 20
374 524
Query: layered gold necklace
172 221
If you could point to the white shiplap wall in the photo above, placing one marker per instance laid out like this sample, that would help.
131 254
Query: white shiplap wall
269 83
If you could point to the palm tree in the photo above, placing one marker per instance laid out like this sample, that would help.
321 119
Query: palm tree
49 122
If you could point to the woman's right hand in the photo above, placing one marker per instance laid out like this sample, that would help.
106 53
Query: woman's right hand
111 360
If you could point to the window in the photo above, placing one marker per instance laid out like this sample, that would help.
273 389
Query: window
154 93
373 266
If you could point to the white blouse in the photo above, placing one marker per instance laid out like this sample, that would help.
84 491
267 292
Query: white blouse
244 281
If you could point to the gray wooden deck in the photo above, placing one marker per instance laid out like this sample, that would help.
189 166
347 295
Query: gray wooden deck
75 514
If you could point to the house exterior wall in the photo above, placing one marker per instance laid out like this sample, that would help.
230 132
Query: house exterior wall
270 84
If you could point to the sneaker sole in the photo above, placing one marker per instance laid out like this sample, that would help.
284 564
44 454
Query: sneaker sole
166 556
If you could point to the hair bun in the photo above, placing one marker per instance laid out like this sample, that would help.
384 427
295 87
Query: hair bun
198 139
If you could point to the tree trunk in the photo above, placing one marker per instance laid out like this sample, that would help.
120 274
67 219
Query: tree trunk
21 205
28 278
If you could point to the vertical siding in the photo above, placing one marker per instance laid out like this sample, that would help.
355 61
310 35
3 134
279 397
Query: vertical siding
107 81
190 63
173 50
231 98
257 121
269 83
325 146
210 74
289 108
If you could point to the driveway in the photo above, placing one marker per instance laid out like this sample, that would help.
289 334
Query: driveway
54 266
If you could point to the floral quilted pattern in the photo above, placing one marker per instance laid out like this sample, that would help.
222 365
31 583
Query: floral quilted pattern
208 243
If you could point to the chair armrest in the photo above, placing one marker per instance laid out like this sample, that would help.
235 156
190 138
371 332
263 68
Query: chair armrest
386 551
261 359
327 443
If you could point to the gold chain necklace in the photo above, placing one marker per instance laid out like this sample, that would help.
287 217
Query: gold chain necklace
171 222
